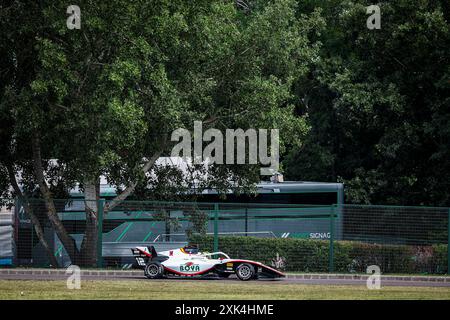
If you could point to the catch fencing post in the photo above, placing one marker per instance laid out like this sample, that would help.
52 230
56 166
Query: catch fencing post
331 251
216 227
101 206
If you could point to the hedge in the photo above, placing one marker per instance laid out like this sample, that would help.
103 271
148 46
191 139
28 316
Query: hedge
307 255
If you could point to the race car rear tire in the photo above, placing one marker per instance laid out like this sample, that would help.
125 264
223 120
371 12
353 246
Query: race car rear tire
245 272
154 270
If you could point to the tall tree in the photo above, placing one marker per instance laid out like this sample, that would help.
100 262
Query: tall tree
104 99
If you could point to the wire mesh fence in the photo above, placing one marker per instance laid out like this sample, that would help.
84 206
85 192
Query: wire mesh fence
292 238
398 239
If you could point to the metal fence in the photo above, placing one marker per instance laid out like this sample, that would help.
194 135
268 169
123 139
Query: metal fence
293 238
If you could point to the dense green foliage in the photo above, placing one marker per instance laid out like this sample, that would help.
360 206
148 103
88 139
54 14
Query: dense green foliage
378 102
306 255
103 97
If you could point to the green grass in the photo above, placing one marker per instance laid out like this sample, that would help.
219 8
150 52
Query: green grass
188 289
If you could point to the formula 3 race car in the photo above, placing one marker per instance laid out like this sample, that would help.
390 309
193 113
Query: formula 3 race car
189 262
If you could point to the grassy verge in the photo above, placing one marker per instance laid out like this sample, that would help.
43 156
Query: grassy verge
102 289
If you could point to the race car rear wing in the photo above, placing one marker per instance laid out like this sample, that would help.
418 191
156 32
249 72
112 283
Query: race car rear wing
144 254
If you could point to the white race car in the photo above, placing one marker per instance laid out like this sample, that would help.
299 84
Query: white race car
188 261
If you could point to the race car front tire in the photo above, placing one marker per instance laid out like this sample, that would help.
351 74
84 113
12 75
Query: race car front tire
245 272
154 270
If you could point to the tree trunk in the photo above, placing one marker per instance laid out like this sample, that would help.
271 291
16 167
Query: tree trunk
130 189
40 233
67 241
34 220
88 251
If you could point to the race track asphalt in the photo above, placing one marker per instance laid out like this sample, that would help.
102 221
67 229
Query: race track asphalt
316 279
